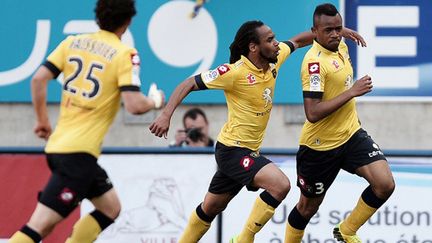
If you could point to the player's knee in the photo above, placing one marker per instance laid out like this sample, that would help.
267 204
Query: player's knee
112 211
213 209
384 190
307 211
115 211
43 228
282 188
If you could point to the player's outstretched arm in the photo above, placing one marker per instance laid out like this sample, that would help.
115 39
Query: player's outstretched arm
306 38
303 39
160 125
39 85
137 103
350 34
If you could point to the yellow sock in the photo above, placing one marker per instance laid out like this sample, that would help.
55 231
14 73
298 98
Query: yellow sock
20 237
261 213
195 229
360 214
85 230
293 235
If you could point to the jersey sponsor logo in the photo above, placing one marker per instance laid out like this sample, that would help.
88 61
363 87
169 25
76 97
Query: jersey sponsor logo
210 75
135 59
66 195
247 162
251 78
376 152
267 96
315 82
222 69
314 67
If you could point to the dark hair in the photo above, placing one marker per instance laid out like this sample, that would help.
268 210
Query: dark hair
112 14
193 113
324 9
244 36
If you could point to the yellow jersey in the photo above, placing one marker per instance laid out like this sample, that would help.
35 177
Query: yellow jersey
96 68
249 96
326 74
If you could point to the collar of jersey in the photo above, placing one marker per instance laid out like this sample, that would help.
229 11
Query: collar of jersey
108 34
322 49
250 64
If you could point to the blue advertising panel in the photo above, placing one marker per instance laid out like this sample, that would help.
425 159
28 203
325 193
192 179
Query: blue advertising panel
172 45
398 56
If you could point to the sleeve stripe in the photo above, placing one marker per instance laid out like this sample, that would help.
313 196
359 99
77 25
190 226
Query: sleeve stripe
52 68
129 88
199 82
313 95
291 45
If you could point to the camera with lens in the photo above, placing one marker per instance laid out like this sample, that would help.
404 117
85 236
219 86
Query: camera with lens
194 134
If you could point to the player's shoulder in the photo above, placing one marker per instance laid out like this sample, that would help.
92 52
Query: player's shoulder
343 47
313 53
342 44
312 56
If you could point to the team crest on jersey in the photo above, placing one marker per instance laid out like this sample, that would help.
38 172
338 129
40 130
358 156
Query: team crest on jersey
314 67
335 64
251 78
348 82
267 96
135 59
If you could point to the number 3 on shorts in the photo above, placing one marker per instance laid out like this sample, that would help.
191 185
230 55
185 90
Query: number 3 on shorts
319 188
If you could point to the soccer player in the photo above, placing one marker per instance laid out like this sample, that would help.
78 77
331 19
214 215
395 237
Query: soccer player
198 5
99 70
248 82
332 138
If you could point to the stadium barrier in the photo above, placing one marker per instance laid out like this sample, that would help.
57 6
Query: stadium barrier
160 187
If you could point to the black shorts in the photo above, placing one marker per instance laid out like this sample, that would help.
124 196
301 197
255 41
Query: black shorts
237 167
316 170
74 177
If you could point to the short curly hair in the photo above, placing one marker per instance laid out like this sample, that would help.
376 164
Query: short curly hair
112 14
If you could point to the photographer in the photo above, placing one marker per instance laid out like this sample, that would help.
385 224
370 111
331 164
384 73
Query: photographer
195 130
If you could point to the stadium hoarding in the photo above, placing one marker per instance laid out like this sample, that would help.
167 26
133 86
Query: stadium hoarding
159 191
399 39
172 46
397 32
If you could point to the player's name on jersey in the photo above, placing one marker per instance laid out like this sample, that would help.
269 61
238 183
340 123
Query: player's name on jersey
95 47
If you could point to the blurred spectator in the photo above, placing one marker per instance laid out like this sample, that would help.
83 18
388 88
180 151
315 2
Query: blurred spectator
195 131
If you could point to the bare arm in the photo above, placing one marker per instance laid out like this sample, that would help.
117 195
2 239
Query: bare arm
316 109
302 39
39 83
354 36
306 38
136 103
160 126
